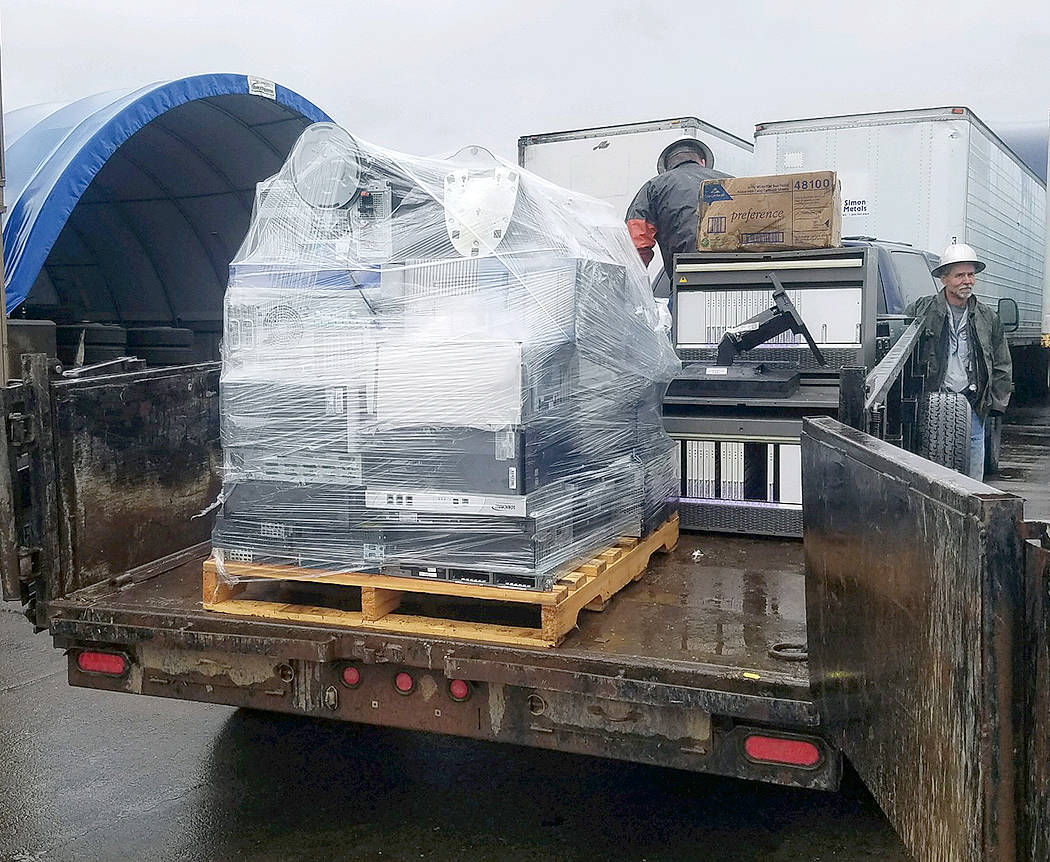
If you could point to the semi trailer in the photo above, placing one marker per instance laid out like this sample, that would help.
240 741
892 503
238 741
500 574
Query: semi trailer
931 177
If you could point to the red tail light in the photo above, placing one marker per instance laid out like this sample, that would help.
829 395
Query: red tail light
404 684
778 749
108 663
351 676
459 690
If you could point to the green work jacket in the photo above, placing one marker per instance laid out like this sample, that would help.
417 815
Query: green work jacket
991 371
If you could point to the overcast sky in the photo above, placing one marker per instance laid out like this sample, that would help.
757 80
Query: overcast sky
432 76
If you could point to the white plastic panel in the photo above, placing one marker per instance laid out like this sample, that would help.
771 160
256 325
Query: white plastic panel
790 473
833 315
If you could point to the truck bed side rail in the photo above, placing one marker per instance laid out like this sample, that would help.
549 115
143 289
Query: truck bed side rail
885 402
915 606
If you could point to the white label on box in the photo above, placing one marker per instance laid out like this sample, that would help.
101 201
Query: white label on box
716 370
375 553
512 478
334 401
506 445
261 87
443 502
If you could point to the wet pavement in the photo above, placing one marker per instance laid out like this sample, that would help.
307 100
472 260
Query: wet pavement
1024 466
89 775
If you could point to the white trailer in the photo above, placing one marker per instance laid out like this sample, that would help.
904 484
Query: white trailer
930 177
612 162
1046 263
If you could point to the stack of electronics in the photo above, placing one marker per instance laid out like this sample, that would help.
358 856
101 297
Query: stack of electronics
476 400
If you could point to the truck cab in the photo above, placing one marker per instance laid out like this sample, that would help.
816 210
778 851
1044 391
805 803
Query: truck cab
904 272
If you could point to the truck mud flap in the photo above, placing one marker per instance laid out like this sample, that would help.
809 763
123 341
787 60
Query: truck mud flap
916 603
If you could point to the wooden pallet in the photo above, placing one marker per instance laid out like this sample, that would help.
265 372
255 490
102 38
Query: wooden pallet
590 584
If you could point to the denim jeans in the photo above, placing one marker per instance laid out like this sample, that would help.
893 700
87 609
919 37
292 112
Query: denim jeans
976 446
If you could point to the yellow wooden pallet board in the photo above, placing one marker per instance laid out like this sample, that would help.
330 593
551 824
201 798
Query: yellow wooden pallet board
589 585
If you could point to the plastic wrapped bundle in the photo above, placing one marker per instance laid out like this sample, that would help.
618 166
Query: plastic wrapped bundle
437 368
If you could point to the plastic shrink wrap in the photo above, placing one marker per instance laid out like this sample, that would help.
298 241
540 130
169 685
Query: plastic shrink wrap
437 368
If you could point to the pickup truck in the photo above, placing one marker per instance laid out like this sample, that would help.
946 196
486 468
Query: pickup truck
907 631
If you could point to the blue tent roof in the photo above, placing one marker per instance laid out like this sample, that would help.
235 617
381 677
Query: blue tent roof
128 206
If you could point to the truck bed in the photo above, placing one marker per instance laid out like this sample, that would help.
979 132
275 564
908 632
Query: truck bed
708 622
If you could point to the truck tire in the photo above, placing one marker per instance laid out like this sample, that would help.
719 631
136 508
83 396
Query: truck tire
163 355
993 443
159 336
95 353
101 334
944 430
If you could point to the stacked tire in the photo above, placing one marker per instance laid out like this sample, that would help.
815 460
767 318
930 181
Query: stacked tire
161 345
944 429
90 343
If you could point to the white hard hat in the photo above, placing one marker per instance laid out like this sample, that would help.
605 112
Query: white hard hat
958 252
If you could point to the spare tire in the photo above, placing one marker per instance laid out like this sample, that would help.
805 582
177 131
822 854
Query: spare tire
102 334
159 336
163 355
944 429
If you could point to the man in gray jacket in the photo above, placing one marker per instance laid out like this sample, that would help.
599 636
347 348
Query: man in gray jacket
664 211
964 345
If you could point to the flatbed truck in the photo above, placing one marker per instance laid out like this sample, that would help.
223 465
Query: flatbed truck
906 632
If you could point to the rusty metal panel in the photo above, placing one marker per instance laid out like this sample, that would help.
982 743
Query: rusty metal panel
1036 713
42 482
137 459
10 538
914 601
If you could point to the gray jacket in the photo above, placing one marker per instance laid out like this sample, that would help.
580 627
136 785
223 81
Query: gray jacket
991 371
664 212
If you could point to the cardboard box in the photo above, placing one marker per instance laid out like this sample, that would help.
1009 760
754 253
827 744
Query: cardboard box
778 213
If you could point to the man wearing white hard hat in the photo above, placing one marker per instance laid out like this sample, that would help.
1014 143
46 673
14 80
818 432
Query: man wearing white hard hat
964 345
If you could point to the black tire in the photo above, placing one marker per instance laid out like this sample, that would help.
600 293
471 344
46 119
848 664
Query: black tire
993 444
94 353
163 355
101 334
159 336
944 430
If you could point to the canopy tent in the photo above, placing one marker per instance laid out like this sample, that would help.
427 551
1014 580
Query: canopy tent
128 207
